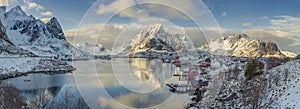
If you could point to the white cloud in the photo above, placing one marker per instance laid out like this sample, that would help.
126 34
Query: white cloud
92 33
246 24
47 13
30 5
33 5
290 25
45 20
70 33
224 14
3 2
287 23
8 2
144 11
35 8
114 7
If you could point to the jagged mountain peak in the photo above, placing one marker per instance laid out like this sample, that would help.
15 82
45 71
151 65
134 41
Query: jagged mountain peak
17 11
156 28
271 42
2 10
243 35
156 39
237 37
32 17
53 19
30 33
55 29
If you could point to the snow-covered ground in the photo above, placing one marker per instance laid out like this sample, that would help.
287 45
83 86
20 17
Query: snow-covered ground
287 94
11 67
277 88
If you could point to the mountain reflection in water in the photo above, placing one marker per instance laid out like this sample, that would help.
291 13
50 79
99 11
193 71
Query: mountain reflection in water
97 84
103 90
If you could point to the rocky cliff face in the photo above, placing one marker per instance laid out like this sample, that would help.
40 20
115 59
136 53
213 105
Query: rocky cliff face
27 32
55 29
7 48
3 35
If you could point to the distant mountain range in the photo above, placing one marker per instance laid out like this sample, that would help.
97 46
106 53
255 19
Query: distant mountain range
94 49
23 34
242 45
29 33
156 39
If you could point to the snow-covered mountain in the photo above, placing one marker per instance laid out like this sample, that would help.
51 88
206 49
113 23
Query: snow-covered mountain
97 49
7 48
288 53
242 45
27 32
156 39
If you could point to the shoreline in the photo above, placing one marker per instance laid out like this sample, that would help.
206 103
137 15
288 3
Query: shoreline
18 74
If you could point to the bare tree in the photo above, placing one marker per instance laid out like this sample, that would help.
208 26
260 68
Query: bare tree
81 104
255 93
43 98
67 97
10 98
67 101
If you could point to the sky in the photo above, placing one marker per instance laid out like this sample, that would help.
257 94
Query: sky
277 20
232 14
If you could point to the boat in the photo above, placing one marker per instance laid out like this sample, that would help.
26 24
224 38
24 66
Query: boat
27 80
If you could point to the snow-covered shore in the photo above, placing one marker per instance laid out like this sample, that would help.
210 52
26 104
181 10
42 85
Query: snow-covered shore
13 67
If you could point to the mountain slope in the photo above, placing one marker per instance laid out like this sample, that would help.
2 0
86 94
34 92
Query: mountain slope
277 88
156 39
288 87
242 45
7 48
34 35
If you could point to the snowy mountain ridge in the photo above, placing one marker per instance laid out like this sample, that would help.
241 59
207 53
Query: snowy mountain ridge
7 48
242 45
43 39
156 39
